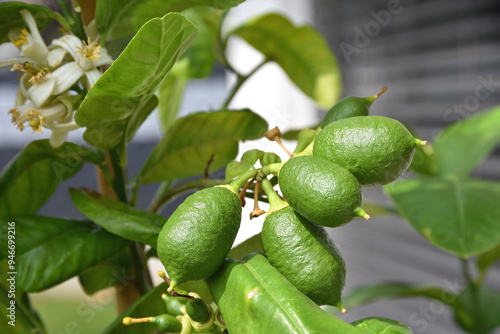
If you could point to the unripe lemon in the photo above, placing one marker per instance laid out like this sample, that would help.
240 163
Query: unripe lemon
305 255
197 237
321 191
375 149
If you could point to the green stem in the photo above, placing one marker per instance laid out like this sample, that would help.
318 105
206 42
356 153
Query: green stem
118 180
275 201
143 277
174 192
272 168
240 80
77 25
474 289
65 10
237 184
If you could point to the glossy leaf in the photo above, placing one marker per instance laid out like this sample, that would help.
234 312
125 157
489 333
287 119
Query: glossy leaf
10 18
123 97
456 215
33 175
252 244
487 311
463 145
117 217
194 140
51 250
170 96
487 259
302 53
112 271
254 297
148 305
125 17
376 325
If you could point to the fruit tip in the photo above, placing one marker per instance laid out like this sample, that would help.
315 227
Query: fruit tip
161 274
366 216
384 89
127 321
421 142
360 212
341 307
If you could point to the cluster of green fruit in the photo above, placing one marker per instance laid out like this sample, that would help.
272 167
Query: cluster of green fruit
322 187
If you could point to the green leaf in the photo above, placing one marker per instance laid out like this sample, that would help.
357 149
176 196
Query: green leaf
125 17
18 318
252 244
51 250
123 97
148 305
113 271
424 161
194 140
250 157
117 217
377 325
170 96
302 53
486 311
372 293
10 18
201 54
269 158
459 216
487 259
463 145
376 209
33 175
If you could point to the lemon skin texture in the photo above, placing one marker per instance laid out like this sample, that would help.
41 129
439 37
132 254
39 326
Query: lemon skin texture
321 191
303 252
199 234
375 149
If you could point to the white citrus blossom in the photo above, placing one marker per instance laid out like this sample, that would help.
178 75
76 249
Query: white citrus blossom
87 57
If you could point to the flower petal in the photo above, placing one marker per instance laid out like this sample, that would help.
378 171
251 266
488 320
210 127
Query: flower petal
66 76
92 77
13 61
69 43
55 57
57 138
40 92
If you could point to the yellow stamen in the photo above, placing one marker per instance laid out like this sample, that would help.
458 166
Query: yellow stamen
37 78
17 119
90 50
23 38
25 68
35 121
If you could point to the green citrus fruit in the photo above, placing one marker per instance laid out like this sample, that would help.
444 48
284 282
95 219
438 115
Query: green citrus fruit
198 310
199 234
305 255
321 191
376 150
167 323
350 106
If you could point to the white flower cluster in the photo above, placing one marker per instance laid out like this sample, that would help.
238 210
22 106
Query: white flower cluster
44 97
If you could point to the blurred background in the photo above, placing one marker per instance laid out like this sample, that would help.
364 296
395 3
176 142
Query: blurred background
440 61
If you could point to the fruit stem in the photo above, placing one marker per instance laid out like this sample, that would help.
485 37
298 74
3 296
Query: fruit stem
243 191
275 201
360 212
256 210
240 181
129 321
384 89
272 168
376 96
275 135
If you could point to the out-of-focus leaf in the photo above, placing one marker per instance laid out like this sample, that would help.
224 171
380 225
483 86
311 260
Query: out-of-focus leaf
148 305
487 259
170 96
118 18
11 18
51 250
456 215
377 325
302 53
119 218
196 139
462 146
487 311
113 271
123 97
33 175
